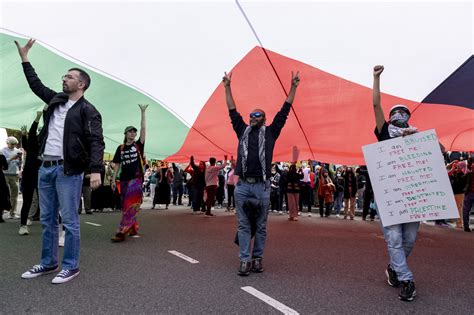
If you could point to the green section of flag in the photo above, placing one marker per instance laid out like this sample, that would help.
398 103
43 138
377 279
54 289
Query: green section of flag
117 103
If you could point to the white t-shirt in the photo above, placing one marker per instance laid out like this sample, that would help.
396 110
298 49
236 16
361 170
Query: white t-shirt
211 175
54 142
306 177
13 165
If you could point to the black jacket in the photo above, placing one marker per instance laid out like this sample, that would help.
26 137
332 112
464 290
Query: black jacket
352 182
272 133
83 142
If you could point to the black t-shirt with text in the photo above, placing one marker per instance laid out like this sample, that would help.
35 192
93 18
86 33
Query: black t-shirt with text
129 160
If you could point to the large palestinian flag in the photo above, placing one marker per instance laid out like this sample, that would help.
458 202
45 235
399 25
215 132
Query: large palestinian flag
173 55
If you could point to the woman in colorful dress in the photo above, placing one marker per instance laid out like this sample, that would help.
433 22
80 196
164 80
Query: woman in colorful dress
128 168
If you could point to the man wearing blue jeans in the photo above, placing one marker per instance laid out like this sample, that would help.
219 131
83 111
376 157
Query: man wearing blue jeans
70 141
254 162
400 238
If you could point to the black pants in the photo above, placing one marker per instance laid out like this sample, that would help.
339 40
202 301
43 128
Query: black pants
304 196
322 205
220 194
29 184
285 196
211 197
178 194
198 202
230 196
275 200
368 197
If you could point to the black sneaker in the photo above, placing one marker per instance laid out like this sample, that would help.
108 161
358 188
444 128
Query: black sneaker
257 265
408 291
244 269
65 275
467 229
392 277
119 237
38 270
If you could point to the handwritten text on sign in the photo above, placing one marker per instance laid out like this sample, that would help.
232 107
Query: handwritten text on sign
409 179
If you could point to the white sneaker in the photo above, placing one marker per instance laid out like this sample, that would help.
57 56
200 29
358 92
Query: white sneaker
299 213
13 216
309 215
280 212
62 236
337 215
65 275
29 222
38 270
23 230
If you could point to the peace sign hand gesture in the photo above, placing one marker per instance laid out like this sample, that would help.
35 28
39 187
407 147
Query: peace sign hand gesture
226 79
143 107
295 78
23 51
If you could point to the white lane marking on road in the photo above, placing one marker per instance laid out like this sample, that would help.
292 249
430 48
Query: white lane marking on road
94 224
183 256
270 301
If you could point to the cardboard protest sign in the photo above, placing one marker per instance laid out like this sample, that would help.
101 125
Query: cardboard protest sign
409 179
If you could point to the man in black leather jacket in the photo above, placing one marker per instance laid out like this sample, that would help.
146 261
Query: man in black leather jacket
70 141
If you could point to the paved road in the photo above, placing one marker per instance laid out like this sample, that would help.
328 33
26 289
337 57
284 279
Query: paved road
312 266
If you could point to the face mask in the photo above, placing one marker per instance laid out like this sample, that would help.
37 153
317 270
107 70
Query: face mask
338 174
399 119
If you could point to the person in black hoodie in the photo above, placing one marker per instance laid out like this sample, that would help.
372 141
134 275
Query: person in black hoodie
199 185
70 141
29 181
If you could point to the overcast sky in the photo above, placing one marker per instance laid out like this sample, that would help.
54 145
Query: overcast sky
178 51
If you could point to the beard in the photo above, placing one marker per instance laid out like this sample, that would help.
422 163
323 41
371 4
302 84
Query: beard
257 125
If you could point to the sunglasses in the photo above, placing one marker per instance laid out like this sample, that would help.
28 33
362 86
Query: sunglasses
256 115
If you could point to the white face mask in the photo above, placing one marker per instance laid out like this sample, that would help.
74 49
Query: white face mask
399 119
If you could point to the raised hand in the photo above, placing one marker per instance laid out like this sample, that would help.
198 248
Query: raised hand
23 51
378 69
24 129
226 79
295 78
143 107
38 115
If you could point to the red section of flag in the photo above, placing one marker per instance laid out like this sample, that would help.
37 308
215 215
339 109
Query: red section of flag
336 114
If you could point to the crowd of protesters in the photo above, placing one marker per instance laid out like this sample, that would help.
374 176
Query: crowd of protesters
296 188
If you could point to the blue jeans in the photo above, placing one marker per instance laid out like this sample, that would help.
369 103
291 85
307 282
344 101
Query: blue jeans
244 191
400 239
338 201
59 193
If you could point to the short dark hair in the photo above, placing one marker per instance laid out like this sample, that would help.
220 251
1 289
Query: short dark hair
212 160
84 76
